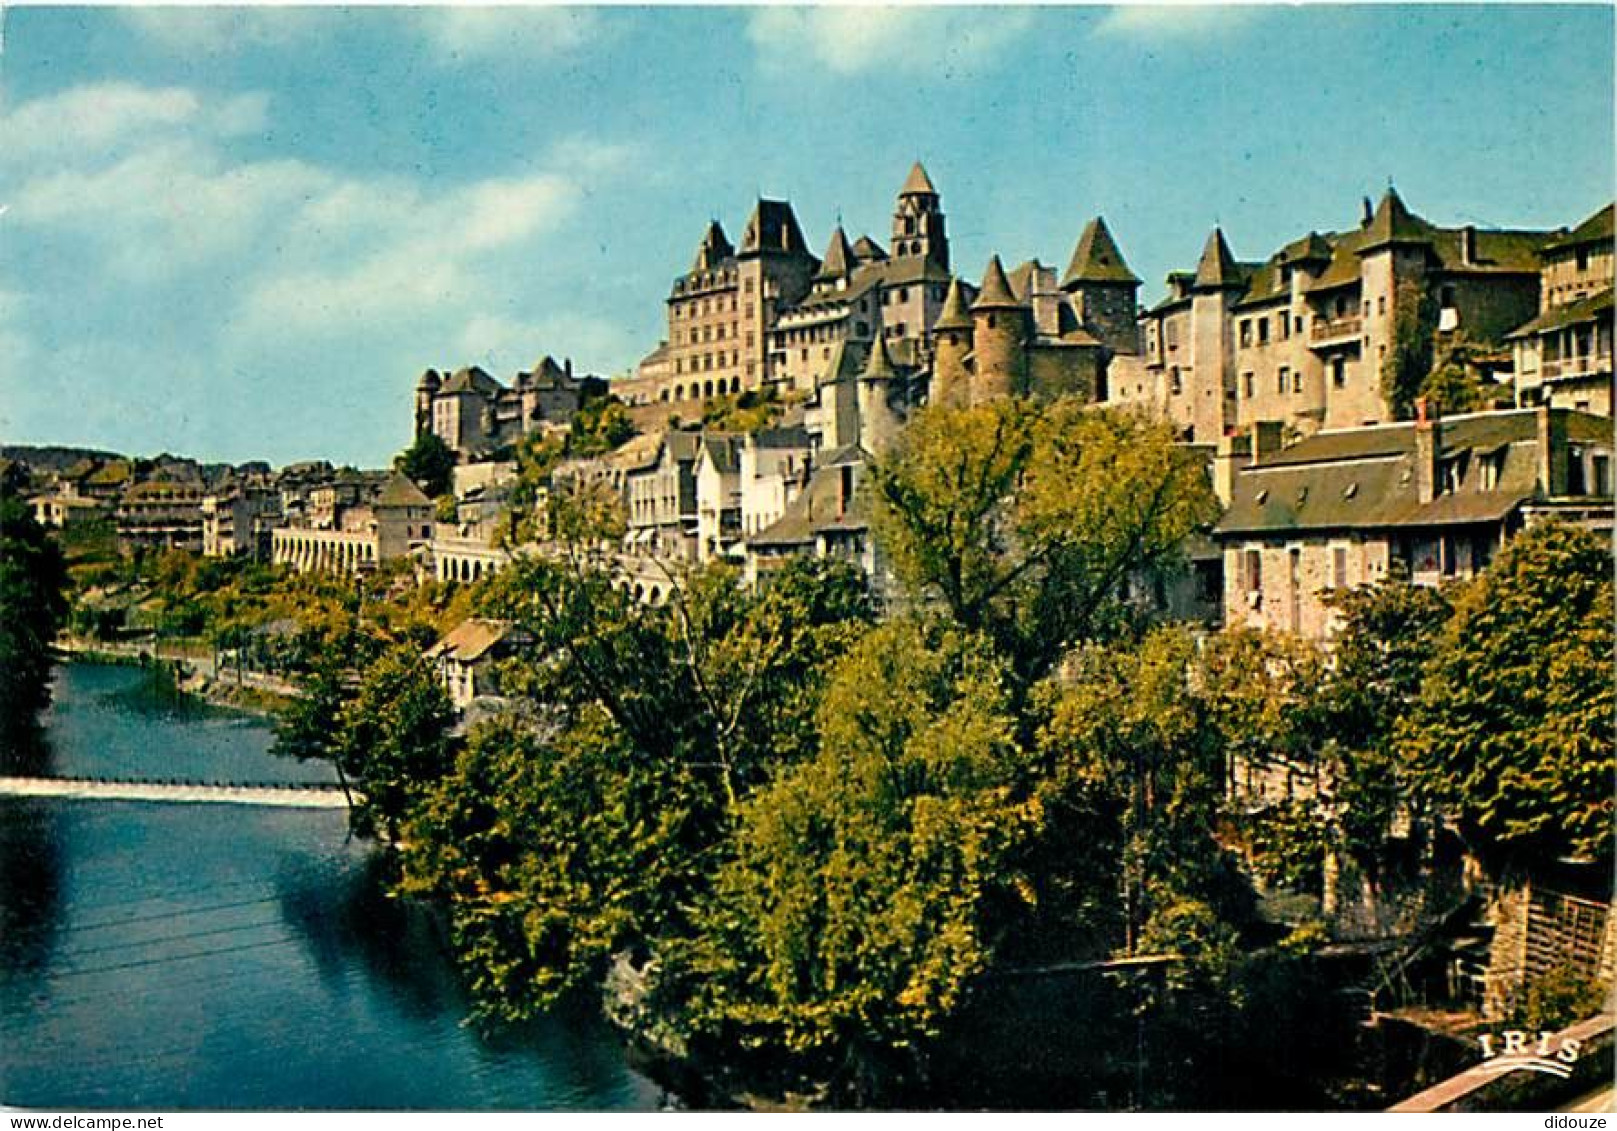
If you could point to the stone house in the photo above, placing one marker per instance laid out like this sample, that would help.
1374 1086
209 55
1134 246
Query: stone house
659 493
829 518
1301 337
1563 356
467 659
238 521
476 416
1430 500
774 466
158 515
718 493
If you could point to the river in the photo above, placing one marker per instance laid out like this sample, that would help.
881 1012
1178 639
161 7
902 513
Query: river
185 956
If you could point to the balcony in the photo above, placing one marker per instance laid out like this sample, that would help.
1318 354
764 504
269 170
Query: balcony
1569 368
1335 331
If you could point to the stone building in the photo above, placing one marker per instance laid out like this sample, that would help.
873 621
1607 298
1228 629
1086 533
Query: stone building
361 532
158 515
1429 500
659 492
238 521
477 416
1563 356
467 659
1301 337
718 493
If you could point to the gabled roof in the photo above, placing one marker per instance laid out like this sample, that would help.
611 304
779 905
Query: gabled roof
839 257
714 249
471 639
471 379
917 183
996 291
772 229
723 450
954 315
782 438
1217 267
1096 258
820 506
429 380
400 492
1596 229
867 250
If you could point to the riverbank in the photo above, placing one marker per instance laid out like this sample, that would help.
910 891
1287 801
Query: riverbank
197 675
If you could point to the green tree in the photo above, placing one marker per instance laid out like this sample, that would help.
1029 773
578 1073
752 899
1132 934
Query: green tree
859 903
1513 726
599 425
1458 382
392 738
1025 522
429 462
33 608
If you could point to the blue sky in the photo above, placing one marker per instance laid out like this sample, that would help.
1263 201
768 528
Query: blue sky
243 233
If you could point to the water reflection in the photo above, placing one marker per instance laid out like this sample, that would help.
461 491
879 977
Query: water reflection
235 957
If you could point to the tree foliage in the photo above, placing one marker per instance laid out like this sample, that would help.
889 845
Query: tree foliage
33 608
1408 362
1024 522
429 463
1513 724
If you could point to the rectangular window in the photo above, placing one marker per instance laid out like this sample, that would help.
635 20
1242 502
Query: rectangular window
1246 385
1263 331
1338 567
1602 473
1173 335
1246 331
1254 571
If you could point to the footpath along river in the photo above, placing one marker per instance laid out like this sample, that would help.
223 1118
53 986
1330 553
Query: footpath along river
204 956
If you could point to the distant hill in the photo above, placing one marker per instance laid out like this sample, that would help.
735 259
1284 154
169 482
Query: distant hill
52 457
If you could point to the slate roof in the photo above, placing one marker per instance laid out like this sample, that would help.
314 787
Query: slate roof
954 315
1364 478
839 258
472 379
867 250
1217 267
713 251
1096 258
819 506
878 363
996 291
1596 229
1594 308
723 450
772 228
400 492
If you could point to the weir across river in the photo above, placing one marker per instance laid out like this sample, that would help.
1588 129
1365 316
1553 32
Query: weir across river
280 794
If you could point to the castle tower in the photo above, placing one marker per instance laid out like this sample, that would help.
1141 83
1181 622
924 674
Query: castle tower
951 343
425 390
879 424
1103 289
999 339
839 260
918 227
1217 285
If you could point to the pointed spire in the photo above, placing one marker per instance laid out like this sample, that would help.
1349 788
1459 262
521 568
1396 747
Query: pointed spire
917 183
1394 223
715 248
954 315
1217 266
839 257
996 292
1096 259
879 365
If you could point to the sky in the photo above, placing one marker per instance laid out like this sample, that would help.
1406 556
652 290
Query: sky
243 233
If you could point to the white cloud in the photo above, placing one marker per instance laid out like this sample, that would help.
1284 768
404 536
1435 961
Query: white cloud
1175 20
536 32
847 40
85 122
219 30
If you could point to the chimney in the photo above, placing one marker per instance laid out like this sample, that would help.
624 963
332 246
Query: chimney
1266 435
567 368
1232 456
1552 453
1468 246
1367 214
1428 443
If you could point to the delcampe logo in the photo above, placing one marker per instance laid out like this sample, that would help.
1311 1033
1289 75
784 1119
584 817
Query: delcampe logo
1515 1050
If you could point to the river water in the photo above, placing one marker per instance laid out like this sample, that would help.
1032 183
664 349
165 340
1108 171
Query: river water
185 956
